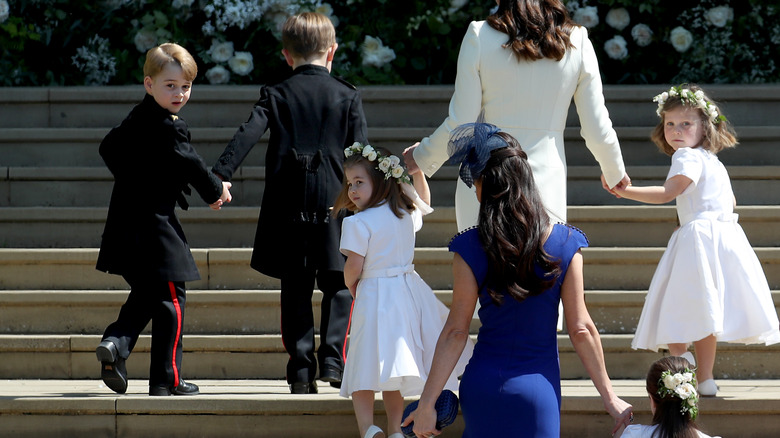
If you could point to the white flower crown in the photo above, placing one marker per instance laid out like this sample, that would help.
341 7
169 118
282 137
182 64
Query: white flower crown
683 386
693 99
390 166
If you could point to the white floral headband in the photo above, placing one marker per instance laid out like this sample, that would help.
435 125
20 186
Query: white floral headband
390 166
683 386
693 99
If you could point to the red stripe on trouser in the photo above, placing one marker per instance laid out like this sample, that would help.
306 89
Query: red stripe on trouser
176 306
349 324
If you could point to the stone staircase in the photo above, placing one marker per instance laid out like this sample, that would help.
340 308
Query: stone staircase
54 305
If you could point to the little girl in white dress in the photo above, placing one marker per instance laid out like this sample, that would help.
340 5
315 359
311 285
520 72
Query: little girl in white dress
709 285
396 318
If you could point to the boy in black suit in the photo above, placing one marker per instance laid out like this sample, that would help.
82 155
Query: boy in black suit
312 117
153 163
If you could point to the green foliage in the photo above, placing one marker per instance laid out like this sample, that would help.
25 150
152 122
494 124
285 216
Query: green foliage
75 42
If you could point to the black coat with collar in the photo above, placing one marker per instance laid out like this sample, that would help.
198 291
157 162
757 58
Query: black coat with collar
153 163
312 117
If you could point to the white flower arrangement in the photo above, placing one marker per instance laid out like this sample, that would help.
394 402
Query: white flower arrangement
218 75
616 47
690 98
642 35
95 61
145 39
375 53
5 11
683 386
618 18
719 16
587 16
681 39
241 63
390 166
221 51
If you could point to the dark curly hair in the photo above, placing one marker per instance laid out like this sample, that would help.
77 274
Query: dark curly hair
537 29
513 224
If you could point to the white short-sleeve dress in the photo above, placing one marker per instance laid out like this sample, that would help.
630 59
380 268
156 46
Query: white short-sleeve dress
396 318
642 431
709 280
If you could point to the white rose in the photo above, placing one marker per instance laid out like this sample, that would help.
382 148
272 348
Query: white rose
692 401
685 390
669 382
218 75
681 39
327 10
375 53
384 164
368 149
5 11
398 172
394 161
145 39
241 63
587 16
720 15
642 34
616 47
371 156
618 18
221 51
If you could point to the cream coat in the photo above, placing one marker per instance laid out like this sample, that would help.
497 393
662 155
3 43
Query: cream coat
529 100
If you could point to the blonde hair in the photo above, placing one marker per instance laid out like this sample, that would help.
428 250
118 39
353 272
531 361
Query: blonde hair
385 189
308 34
717 136
170 53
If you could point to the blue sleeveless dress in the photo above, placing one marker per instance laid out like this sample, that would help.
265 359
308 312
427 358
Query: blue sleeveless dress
512 384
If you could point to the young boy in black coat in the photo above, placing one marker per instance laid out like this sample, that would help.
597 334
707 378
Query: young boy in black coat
153 163
312 117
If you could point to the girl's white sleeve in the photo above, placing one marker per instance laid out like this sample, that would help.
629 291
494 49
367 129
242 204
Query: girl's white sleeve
687 162
465 105
354 236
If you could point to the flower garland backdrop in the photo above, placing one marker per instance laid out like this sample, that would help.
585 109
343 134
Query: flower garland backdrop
98 42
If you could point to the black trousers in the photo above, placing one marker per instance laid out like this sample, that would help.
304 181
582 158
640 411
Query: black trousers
298 322
162 303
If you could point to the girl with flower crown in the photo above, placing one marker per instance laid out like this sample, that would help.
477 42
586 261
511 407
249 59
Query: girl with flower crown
709 285
671 386
396 318
518 266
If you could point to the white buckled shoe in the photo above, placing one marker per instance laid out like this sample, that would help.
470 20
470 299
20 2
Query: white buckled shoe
374 432
708 388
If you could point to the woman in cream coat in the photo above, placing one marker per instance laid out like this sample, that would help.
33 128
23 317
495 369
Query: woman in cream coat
529 99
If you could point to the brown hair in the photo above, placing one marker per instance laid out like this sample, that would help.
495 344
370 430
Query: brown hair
671 423
385 189
536 28
512 226
158 57
308 34
717 136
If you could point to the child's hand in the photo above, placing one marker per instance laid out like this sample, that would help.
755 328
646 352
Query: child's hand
411 165
225 198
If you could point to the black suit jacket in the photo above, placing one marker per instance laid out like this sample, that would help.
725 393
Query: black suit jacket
153 163
312 117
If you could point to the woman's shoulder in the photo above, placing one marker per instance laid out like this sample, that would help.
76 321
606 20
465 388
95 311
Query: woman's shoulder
567 234
464 238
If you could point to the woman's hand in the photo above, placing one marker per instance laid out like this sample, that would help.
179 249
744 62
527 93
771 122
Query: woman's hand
424 422
622 412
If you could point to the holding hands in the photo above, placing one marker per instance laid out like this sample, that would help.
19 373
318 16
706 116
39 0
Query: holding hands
225 198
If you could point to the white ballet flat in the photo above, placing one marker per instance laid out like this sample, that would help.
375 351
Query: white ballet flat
396 435
708 388
374 432
689 357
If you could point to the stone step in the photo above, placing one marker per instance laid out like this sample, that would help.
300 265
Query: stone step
240 312
91 186
265 409
78 147
228 268
50 356
622 226
388 106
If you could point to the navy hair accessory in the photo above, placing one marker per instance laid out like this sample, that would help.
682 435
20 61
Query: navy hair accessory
470 146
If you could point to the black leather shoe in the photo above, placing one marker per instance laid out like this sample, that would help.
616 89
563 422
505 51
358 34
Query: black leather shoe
112 367
303 388
330 374
183 388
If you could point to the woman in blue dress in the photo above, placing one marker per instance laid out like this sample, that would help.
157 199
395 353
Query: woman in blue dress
518 265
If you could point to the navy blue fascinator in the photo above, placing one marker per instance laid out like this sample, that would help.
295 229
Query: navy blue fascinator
470 146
